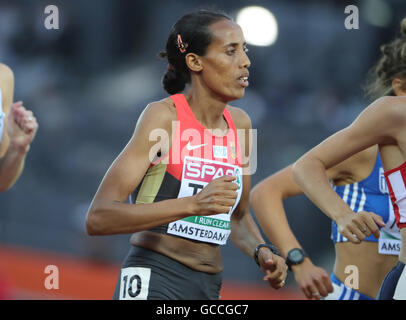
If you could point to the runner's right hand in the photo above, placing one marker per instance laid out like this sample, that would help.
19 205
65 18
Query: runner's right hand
217 197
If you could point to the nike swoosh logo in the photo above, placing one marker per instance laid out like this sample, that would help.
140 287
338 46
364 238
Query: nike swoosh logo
190 147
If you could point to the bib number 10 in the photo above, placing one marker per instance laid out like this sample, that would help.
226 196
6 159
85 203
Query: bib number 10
134 283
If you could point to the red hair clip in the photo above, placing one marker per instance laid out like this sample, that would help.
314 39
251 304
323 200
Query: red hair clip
181 45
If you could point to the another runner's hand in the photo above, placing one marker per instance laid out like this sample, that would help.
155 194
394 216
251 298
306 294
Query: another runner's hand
22 126
274 267
357 226
217 197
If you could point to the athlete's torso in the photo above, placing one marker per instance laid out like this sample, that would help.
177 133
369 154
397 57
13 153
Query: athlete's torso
368 194
196 156
371 195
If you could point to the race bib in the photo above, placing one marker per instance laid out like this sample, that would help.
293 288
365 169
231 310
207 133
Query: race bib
389 240
198 173
134 283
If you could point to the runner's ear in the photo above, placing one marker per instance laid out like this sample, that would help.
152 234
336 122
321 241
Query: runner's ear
399 87
194 62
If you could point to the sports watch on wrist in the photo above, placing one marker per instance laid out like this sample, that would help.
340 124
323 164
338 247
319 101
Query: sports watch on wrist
295 256
271 247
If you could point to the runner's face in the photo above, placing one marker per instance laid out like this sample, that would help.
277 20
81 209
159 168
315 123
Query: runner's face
225 65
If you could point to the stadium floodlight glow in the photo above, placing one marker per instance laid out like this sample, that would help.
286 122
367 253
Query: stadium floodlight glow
259 25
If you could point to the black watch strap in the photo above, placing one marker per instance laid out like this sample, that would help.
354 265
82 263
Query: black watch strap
271 247
298 259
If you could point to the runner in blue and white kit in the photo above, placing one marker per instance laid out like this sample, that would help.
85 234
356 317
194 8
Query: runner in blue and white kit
382 123
360 182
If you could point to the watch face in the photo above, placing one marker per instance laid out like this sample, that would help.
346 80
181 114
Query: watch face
296 256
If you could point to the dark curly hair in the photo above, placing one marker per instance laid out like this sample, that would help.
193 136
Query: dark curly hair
390 66
195 34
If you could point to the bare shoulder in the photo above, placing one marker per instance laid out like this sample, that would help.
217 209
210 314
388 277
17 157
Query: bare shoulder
241 119
163 108
382 122
392 108
7 87
159 113
6 74
6 78
383 117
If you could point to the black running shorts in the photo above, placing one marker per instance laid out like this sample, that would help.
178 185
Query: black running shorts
148 275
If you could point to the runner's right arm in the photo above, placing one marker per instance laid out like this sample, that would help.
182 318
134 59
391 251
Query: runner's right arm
380 123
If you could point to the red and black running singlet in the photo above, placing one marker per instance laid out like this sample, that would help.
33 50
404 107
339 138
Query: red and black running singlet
196 157
396 181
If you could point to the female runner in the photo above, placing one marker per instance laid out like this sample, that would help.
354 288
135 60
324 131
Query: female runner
184 170
382 123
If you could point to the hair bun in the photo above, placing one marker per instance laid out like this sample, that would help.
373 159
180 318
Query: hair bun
403 27
173 82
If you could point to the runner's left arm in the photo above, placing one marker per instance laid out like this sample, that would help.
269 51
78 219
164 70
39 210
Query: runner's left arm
245 233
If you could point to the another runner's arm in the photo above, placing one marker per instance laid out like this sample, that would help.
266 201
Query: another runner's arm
7 89
22 128
267 202
377 124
